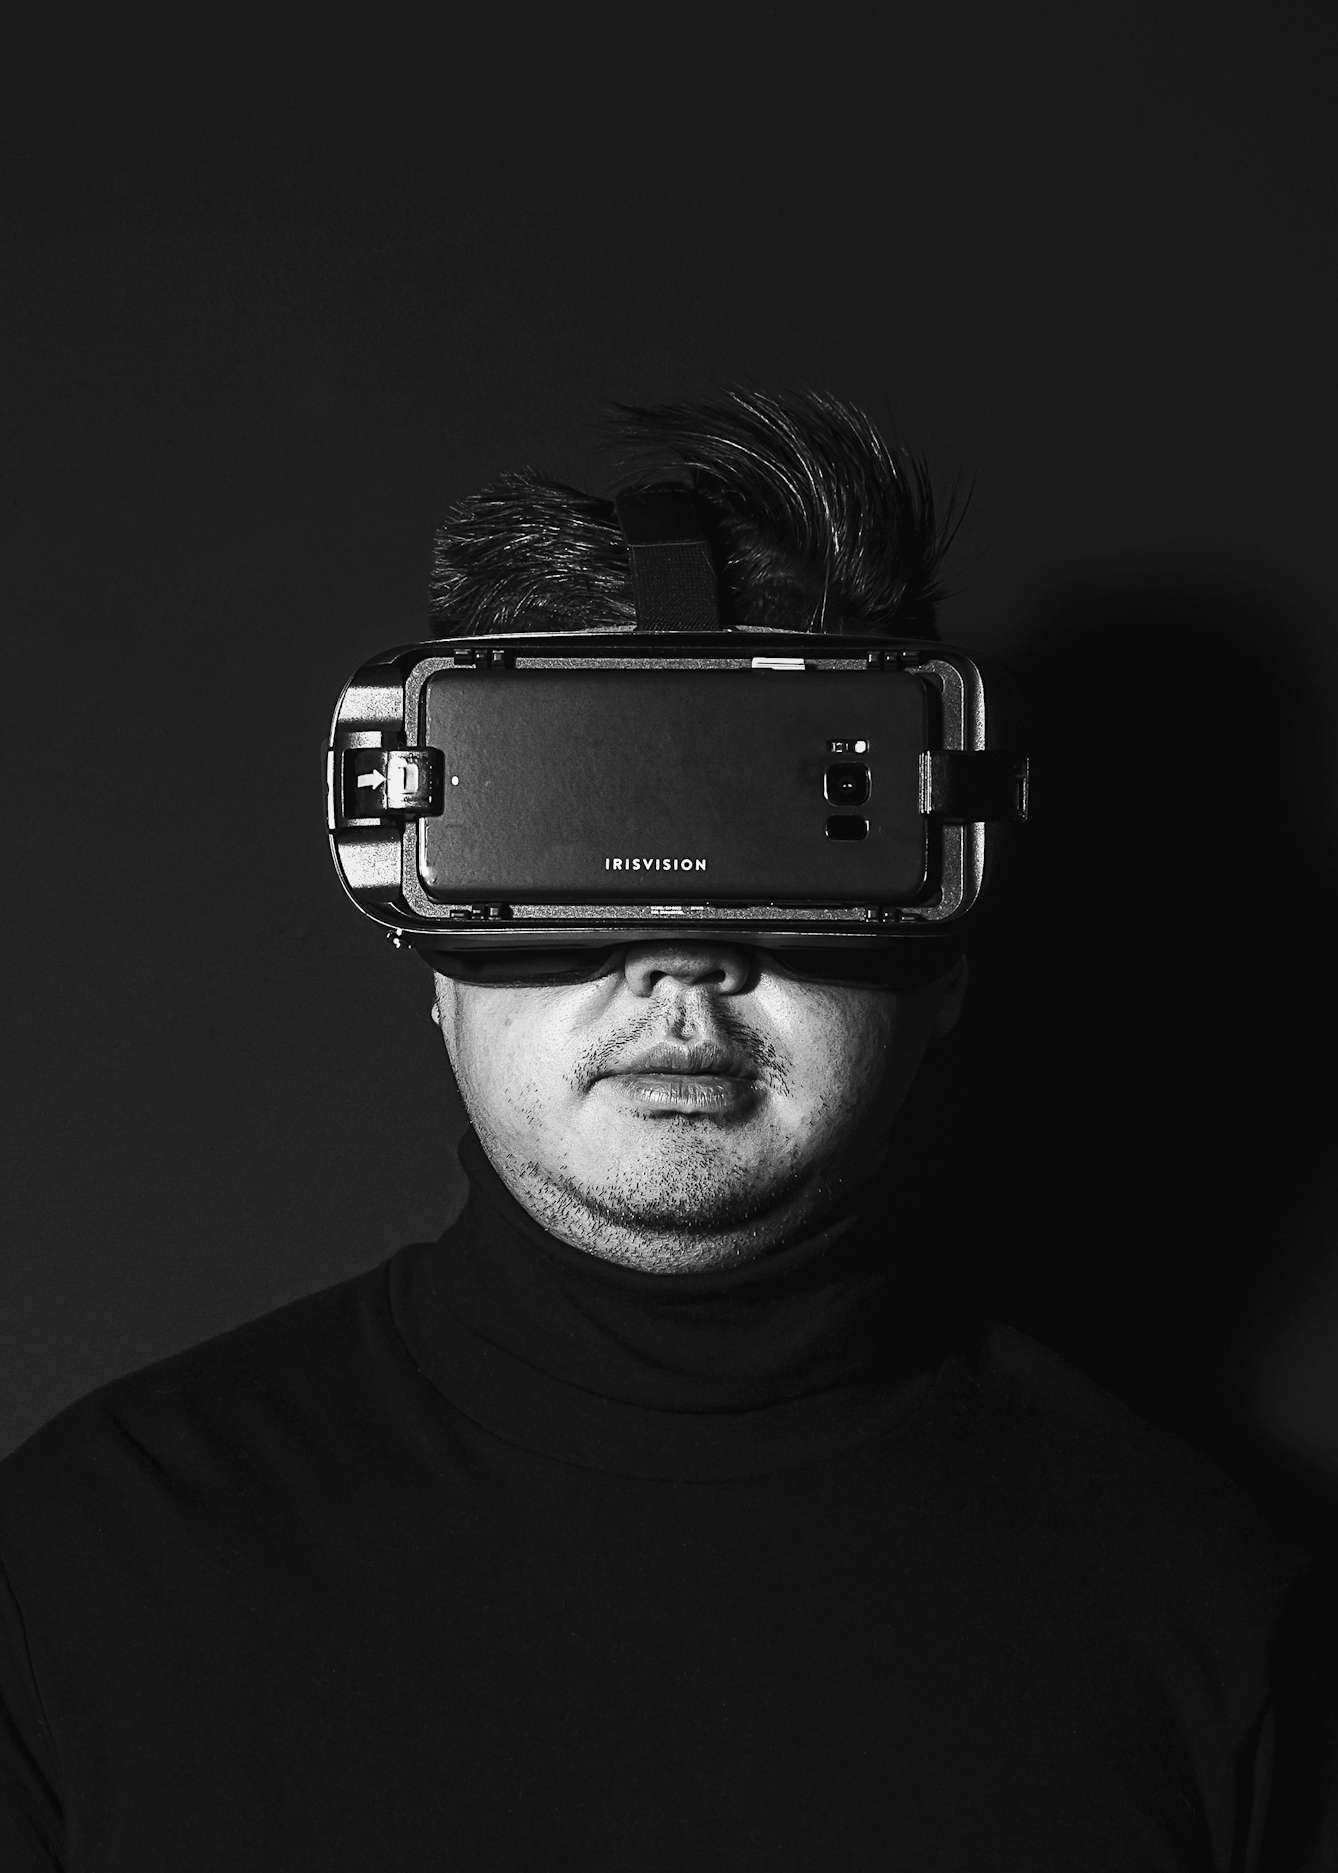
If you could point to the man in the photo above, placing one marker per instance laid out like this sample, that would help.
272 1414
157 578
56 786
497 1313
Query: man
675 1510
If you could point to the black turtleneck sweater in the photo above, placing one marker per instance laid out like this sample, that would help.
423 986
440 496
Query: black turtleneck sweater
503 1557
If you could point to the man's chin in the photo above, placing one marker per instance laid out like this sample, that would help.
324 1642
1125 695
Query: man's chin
698 1184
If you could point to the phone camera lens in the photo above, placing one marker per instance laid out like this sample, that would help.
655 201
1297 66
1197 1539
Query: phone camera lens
847 783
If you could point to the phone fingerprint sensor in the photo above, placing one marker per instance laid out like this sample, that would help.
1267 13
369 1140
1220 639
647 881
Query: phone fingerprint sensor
847 826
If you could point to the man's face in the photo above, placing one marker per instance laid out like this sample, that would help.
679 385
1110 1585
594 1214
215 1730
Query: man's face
692 1106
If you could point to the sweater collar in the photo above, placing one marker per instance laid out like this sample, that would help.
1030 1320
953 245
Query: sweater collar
804 1351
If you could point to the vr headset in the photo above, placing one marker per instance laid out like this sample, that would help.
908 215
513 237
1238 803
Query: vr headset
521 807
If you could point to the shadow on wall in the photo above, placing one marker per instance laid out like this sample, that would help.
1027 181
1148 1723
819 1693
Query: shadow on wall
1137 1116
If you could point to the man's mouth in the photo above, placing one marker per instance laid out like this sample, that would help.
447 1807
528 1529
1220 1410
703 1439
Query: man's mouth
707 1078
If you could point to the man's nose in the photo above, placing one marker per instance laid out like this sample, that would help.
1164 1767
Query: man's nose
725 968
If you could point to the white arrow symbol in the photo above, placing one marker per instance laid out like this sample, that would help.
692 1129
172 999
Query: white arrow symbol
374 779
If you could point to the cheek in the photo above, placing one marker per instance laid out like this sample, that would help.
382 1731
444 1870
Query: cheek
857 1058
506 1058
484 1046
840 1044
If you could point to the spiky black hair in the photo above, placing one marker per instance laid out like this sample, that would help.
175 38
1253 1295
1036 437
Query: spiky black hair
815 523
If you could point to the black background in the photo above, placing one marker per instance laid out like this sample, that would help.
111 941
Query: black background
270 304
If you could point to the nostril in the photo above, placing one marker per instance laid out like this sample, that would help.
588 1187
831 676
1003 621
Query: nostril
718 968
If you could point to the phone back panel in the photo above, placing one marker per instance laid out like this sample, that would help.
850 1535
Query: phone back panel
675 786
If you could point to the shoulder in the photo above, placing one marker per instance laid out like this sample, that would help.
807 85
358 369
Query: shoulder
1075 1426
205 1423
1143 1509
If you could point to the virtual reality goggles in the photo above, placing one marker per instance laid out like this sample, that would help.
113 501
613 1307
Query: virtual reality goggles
521 807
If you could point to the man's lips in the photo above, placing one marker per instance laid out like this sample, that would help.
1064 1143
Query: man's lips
713 1057
677 1077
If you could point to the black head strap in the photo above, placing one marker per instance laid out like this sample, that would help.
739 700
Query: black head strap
673 579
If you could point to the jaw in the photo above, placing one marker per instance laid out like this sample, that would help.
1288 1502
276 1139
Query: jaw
676 1192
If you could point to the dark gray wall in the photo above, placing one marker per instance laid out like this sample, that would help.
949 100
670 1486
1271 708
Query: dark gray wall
269 309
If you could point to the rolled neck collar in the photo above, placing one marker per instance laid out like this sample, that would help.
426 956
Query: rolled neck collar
809 1348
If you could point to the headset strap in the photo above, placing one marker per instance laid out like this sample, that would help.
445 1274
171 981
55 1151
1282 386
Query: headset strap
673 578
